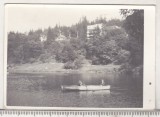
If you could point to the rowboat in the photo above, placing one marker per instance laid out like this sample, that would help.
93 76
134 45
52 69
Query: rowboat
85 87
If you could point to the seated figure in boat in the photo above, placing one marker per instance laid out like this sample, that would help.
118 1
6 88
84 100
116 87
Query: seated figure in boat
80 83
102 82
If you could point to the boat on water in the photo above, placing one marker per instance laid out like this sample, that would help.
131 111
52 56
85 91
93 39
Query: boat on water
85 87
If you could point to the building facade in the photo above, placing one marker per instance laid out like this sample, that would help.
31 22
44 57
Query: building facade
93 30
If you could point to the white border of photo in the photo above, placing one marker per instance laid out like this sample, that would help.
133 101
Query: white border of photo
149 58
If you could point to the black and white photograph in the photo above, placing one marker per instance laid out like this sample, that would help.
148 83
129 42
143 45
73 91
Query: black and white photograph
74 56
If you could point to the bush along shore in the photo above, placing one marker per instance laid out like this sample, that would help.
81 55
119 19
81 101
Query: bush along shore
60 68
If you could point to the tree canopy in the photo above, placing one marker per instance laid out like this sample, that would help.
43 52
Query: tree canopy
117 42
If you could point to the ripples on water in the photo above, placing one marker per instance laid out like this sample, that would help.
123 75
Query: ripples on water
43 90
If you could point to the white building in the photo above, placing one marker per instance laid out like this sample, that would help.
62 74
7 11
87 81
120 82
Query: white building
43 38
92 28
61 37
113 27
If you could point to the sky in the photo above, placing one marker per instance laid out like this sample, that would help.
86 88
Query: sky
23 18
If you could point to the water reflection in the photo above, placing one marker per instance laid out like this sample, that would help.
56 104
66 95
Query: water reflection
89 93
101 94
44 90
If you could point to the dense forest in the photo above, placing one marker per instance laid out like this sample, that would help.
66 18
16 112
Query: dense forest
121 46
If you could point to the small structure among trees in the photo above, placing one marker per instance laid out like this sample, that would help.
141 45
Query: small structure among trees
95 29
61 37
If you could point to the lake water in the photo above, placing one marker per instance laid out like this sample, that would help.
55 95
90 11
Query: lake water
43 90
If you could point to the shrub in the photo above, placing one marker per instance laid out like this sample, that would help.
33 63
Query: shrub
67 54
69 65
95 61
47 57
101 60
32 60
122 57
126 68
78 63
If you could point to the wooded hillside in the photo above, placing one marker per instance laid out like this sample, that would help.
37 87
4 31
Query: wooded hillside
69 45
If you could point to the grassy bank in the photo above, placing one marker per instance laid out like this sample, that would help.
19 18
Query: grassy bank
59 67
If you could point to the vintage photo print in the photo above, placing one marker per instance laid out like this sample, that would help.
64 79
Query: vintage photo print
79 56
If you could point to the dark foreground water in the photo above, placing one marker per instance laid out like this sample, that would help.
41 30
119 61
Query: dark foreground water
43 90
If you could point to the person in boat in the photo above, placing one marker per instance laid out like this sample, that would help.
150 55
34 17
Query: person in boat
102 82
80 83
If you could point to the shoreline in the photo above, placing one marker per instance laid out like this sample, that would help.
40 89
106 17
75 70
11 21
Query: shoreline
58 68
